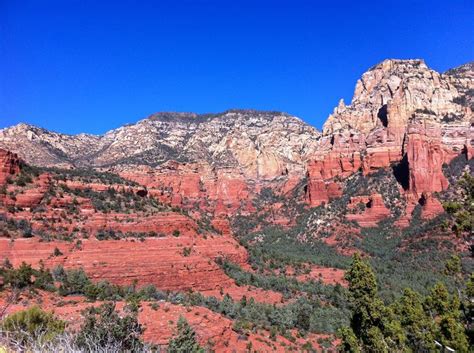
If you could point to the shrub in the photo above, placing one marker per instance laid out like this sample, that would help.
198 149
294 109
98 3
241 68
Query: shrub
73 282
57 252
105 328
25 228
184 340
18 278
23 179
33 322
26 277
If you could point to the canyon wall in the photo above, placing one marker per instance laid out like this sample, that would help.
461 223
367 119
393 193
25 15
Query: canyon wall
403 115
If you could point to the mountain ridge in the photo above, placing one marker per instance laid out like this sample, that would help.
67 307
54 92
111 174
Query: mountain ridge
385 99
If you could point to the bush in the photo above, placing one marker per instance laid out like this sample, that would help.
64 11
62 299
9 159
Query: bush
23 179
185 339
73 282
33 322
18 278
105 328
26 277
25 228
57 252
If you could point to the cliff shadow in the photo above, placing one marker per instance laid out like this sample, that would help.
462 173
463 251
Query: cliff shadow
401 171
382 114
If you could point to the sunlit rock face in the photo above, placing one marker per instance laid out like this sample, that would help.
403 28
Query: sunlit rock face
9 165
261 145
402 113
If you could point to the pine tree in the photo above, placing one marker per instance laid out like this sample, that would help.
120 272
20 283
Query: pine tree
452 334
373 324
185 339
362 281
418 326
350 343
439 303
468 308
445 309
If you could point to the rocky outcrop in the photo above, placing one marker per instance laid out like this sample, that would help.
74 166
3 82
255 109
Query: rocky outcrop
9 165
198 185
425 157
403 115
373 210
158 261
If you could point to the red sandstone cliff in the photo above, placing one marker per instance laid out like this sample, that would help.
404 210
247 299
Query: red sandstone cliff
9 165
402 113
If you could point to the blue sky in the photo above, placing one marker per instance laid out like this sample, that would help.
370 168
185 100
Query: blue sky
89 66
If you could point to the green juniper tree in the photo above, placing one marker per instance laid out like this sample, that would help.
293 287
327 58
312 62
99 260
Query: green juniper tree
374 327
445 310
185 339
418 326
411 324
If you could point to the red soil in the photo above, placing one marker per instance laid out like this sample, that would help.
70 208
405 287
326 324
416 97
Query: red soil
160 319
157 261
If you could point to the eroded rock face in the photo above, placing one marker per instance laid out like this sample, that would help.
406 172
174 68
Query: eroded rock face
9 165
402 112
158 261
220 191
386 97
260 145
425 157
374 210
403 115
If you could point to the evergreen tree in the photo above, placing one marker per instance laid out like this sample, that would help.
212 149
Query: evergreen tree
452 334
185 339
453 266
373 324
439 303
418 326
362 281
468 308
445 309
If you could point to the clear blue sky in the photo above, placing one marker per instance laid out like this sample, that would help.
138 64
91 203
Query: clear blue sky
89 66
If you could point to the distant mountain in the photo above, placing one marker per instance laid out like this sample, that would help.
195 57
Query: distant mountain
262 144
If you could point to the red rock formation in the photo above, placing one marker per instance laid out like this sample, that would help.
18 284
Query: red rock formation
431 206
158 261
9 165
32 196
374 210
319 189
327 275
425 158
400 108
222 191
